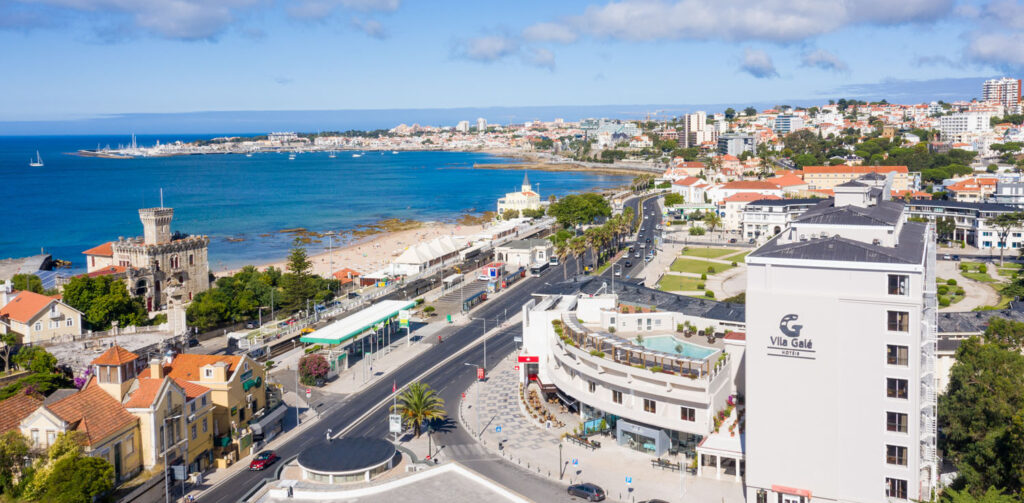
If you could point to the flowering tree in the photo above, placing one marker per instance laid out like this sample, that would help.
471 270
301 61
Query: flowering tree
312 368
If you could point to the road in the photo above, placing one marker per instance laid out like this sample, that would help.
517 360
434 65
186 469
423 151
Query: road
647 231
452 379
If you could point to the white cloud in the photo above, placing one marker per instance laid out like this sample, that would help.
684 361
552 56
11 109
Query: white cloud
1000 49
758 63
769 20
824 60
549 32
370 27
487 48
319 9
540 57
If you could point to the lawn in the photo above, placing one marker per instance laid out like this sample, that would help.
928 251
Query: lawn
738 258
978 276
972 270
708 252
695 266
673 283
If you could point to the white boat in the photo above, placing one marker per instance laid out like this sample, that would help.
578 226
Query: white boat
357 155
248 154
394 152
291 156
37 162
332 155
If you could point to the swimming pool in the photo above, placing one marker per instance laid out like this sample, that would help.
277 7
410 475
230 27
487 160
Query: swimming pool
668 344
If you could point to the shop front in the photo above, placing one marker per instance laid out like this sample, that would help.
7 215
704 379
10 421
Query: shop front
645 439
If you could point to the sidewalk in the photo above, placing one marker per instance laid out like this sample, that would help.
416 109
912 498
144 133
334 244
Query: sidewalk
528 443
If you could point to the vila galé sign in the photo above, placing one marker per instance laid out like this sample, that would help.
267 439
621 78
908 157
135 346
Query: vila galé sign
791 343
529 359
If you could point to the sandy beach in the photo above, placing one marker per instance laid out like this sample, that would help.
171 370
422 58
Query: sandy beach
374 252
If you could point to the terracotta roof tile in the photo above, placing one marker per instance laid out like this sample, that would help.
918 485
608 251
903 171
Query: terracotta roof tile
192 390
25 305
103 250
736 336
842 168
16 408
93 412
114 269
186 366
751 185
144 395
115 356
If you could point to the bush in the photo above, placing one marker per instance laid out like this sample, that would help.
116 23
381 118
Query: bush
943 289
703 276
419 301
711 269
959 290
312 368
599 354
611 329
943 301
697 231
315 347
700 286
951 282
983 269
964 268
709 294
734 264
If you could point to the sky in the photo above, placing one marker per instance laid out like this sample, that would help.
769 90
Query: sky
66 60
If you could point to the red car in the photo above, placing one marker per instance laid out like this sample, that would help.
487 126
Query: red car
262 460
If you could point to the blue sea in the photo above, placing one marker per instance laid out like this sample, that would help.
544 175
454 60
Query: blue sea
74 203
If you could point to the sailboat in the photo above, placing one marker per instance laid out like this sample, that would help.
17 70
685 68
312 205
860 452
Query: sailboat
248 153
394 152
291 156
37 162
332 155
357 155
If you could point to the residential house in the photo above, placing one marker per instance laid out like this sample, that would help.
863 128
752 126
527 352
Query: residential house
761 187
731 208
691 188
524 252
525 199
765 218
827 177
38 318
682 169
972 190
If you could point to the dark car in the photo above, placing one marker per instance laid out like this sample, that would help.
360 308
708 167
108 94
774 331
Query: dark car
262 460
588 491
193 342
733 240
956 258
629 264
752 241
648 240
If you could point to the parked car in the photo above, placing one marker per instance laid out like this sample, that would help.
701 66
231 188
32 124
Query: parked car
630 264
956 258
752 241
262 460
947 257
250 325
636 255
733 240
591 492
193 342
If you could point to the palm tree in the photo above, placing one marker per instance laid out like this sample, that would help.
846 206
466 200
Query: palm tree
563 250
419 403
578 246
712 220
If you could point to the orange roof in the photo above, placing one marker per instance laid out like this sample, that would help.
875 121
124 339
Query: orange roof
690 164
730 157
345 275
16 408
972 184
192 390
186 366
736 336
787 180
103 250
114 269
827 192
115 356
748 196
144 395
93 412
842 168
690 180
750 185
25 306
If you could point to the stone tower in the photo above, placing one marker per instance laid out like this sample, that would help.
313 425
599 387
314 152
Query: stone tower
156 224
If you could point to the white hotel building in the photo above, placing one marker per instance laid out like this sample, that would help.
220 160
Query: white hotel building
840 387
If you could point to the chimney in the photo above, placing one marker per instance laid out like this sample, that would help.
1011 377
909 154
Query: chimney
156 369
6 293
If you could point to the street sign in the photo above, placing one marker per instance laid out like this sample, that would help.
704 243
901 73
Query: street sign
394 423
309 392
575 461
403 318
529 359
497 429
480 373
517 339
517 367
629 480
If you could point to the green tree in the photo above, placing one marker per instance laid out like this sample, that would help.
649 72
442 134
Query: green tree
27 282
712 220
574 210
8 342
730 113
992 495
750 111
104 299
297 282
980 413
945 227
673 199
419 403
14 449
1003 223
35 359
78 479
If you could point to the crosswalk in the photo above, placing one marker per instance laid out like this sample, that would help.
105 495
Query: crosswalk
466 452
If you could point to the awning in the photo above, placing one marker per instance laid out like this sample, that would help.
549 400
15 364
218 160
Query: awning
358 323
223 441
268 420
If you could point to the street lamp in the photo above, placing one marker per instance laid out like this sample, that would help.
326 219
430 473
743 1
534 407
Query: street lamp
167 489
478 432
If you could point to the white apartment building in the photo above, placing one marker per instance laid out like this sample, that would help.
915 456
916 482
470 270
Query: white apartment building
462 127
954 125
763 219
840 360
1005 91
481 124
619 358
787 123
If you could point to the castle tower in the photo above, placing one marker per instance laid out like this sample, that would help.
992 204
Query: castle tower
156 224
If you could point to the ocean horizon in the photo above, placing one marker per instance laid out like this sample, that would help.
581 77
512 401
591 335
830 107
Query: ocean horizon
73 203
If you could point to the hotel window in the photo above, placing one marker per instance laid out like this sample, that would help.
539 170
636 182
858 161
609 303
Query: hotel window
204 425
896 455
192 407
591 386
650 406
616 396
895 388
202 401
896 355
687 414
896 488
194 433
896 421
207 372
899 284
129 444
899 321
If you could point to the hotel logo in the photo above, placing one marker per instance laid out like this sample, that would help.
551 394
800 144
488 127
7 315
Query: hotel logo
792 345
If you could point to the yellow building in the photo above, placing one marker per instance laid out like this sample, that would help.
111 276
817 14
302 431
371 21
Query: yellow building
237 392
525 199
38 318
827 177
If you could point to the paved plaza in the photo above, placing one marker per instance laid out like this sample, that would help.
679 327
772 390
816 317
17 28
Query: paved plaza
510 433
